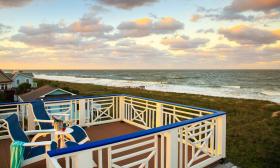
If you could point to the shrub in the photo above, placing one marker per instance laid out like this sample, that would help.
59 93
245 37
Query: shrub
23 88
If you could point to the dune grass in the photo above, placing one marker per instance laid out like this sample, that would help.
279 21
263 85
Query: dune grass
253 136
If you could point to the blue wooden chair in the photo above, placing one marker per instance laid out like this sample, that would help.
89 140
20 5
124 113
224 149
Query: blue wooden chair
33 151
79 135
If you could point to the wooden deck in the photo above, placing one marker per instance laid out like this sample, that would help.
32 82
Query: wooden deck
95 133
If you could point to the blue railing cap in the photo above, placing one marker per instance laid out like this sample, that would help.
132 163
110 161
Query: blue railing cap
137 134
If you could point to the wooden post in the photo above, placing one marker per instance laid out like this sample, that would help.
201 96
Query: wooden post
82 112
83 159
30 118
121 108
172 148
221 135
159 115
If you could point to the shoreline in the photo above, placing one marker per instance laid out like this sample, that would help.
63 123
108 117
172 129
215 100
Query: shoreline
223 91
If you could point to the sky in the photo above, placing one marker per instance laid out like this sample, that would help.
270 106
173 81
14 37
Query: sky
139 34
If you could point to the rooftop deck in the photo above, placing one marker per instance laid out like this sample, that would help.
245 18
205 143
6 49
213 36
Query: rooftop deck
95 133
129 131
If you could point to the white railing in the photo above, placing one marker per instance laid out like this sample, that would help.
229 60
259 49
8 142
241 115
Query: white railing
174 135
8 109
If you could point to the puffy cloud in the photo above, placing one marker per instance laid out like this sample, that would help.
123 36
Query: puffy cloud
127 4
196 17
41 29
184 42
90 26
229 15
53 35
253 5
248 35
47 40
13 3
146 26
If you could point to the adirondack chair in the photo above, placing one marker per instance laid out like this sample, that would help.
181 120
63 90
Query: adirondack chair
41 116
33 151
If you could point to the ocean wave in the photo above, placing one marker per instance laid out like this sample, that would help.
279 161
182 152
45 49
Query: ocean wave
235 87
225 91
271 93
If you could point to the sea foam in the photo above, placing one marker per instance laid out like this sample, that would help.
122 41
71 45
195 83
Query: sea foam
226 91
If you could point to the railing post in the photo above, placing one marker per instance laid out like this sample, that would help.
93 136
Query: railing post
82 112
221 135
121 108
172 148
30 118
159 115
83 159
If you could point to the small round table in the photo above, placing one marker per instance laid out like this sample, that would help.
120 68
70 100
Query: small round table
61 135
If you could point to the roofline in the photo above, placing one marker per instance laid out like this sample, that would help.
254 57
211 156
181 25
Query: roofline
10 80
55 89
14 75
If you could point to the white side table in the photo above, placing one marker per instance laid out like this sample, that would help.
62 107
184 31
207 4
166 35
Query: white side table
61 135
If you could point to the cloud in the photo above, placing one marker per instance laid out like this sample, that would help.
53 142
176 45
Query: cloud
90 26
205 30
127 4
41 29
96 9
243 34
146 26
196 17
220 14
183 42
13 3
253 5
53 35
4 28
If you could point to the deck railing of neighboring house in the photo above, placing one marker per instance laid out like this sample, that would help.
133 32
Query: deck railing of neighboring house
174 135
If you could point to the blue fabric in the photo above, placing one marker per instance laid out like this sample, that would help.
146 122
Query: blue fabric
41 114
71 143
17 151
39 150
78 133
35 151
16 132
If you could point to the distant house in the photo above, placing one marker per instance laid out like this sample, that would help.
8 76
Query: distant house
5 81
44 92
20 77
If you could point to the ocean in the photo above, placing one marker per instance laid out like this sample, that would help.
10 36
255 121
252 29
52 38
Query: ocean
249 84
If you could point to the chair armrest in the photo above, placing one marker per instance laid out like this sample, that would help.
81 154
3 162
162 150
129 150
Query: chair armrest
47 131
59 114
44 121
42 143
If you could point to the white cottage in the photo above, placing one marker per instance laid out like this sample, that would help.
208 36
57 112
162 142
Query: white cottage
20 77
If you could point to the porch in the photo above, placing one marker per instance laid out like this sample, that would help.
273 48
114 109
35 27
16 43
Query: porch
129 131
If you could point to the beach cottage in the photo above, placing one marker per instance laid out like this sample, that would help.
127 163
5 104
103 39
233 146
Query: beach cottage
5 82
44 92
20 77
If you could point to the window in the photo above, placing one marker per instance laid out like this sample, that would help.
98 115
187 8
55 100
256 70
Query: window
18 81
2 86
27 80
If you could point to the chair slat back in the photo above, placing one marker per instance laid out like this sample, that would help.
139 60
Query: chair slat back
40 113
